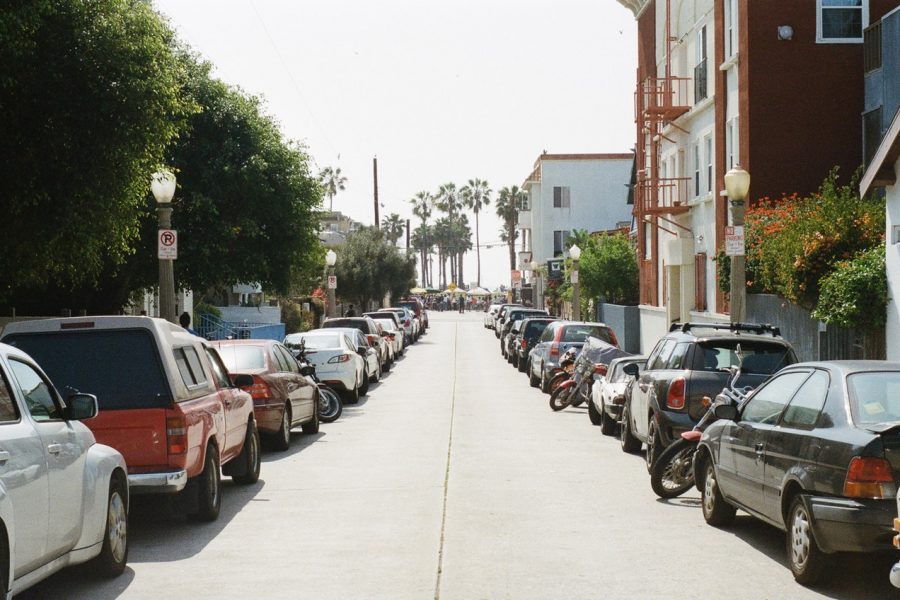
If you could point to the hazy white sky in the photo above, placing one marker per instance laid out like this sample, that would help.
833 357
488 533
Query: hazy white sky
439 91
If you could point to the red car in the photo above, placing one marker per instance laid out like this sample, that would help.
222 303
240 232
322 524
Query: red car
282 397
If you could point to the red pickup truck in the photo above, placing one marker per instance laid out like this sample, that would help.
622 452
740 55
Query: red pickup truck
167 402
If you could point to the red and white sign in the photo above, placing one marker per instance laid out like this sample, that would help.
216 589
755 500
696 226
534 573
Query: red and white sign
734 240
167 247
516 277
332 282
574 276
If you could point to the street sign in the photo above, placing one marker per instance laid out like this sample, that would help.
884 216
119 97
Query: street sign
524 263
516 279
332 282
167 248
555 268
734 240
574 276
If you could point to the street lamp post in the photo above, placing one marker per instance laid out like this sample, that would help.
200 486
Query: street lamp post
535 280
737 184
330 259
162 185
575 254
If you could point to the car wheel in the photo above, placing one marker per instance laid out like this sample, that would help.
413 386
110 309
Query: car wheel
521 364
282 439
387 365
209 488
716 510
545 385
654 442
628 441
376 376
532 380
353 395
808 564
311 427
250 457
114 552
364 386
593 413
607 424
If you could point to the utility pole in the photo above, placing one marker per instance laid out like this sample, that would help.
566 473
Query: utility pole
375 172
407 236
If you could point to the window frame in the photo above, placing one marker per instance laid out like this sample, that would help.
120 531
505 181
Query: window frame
782 420
777 418
731 28
562 199
864 22
54 395
219 371
695 147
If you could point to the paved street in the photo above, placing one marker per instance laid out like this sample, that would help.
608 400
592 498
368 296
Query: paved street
454 480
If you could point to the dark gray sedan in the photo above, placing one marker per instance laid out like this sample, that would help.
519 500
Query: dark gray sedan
815 452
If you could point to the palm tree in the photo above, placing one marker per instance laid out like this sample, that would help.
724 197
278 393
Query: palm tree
393 227
422 204
421 241
447 199
333 182
462 243
509 201
476 195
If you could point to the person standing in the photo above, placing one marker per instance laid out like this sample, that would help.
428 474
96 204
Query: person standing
351 312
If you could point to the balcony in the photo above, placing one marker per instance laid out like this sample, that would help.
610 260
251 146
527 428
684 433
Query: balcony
663 98
700 81
664 195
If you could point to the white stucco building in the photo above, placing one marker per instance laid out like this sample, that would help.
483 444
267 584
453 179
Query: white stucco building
573 191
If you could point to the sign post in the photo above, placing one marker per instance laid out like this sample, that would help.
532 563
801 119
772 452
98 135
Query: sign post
167 246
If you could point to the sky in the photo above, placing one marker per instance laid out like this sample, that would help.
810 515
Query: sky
438 91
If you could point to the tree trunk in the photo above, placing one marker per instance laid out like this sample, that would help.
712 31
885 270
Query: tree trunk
512 246
477 251
459 271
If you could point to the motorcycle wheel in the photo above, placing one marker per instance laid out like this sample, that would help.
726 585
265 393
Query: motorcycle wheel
330 405
556 380
673 472
579 399
560 398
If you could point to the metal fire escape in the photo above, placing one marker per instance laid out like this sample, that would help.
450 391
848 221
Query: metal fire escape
659 101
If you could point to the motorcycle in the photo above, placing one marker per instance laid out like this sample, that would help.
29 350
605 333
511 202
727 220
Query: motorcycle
330 404
672 474
592 362
567 369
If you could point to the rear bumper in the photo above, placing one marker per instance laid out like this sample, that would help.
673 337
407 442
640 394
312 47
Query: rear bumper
672 424
268 415
169 482
847 525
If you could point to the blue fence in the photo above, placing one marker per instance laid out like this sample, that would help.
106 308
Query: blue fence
213 328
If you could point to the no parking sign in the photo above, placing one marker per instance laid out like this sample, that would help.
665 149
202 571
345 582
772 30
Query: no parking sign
167 248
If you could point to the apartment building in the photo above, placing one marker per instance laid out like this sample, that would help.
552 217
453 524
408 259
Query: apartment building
774 86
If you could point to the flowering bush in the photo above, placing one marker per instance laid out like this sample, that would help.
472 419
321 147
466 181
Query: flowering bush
855 293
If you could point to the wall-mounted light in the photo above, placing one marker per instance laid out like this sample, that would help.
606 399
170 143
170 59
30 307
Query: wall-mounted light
785 32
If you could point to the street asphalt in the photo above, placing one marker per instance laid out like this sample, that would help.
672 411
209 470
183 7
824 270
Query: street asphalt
454 480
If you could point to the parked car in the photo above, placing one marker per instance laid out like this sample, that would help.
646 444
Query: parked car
394 334
813 452
64 496
369 352
282 397
368 327
558 337
339 358
408 321
513 315
418 309
500 319
608 393
385 314
530 331
490 314
166 401
691 363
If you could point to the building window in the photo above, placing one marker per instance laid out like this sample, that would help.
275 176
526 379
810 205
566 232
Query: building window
731 143
560 197
841 21
560 242
700 281
700 68
707 142
730 28
696 170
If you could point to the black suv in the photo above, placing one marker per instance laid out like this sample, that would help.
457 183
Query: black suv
689 365
530 330
512 315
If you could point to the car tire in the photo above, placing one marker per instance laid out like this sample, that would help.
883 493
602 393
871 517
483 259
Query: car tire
630 444
375 377
808 563
311 427
593 414
281 441
209 488
250 457
114 553
532 380
654 442
364 384
353 395
716 510
608 425
387 366
545 385
521 364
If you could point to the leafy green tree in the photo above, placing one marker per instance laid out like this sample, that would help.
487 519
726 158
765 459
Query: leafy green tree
509 202
608 269
368 268
92 96
422 204
333 181
393 227
855 294
476 195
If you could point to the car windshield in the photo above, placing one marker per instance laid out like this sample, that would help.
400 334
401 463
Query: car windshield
351 323
754 357
874 397
579 333
388 324
242 358
85 361
320 342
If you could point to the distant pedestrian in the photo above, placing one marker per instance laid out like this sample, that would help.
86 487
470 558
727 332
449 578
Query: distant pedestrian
351 312
185 320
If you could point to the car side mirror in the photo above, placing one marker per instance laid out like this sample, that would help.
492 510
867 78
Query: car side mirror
726 412
362 350
242 381
81 406
631 369
307 370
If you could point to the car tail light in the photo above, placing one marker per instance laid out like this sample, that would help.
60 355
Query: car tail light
259 389
613 339
675 395
600 369
554 349
373 339
176 435
340 358
869 477
524 344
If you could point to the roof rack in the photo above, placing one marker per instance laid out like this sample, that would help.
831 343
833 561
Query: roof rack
758 328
